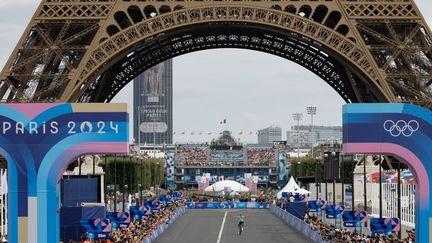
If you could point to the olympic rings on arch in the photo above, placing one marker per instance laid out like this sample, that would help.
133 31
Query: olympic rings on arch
401 127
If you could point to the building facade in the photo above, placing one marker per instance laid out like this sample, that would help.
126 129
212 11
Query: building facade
269 135
317 135
153 105
300 138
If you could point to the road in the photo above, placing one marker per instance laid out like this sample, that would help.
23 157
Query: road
261 226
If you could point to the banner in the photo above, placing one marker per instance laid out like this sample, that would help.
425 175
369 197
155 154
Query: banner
314 206
221 205
96 229
169 171
282 158
119 219
334 212
354 218
384 225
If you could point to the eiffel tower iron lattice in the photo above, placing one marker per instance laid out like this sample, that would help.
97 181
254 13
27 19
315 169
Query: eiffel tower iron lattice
87 50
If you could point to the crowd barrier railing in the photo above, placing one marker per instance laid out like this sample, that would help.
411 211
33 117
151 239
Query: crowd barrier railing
297 224
226 205
163 227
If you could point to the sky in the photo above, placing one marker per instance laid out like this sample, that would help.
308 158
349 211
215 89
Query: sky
251 90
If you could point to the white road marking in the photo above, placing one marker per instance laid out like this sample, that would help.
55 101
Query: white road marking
221 229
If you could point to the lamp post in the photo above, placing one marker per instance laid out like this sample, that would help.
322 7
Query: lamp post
311 110
115 184
139 130
154 137
297 117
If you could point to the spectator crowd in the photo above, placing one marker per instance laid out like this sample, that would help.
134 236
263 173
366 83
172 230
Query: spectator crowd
204 156
141 229
332 234
261 156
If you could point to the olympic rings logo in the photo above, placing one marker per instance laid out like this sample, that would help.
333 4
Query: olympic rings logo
401 127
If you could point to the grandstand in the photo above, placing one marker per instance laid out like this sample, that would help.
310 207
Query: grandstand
226 158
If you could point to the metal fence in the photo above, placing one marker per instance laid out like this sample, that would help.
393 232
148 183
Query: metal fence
390 201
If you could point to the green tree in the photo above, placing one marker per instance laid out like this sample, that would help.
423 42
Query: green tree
147 172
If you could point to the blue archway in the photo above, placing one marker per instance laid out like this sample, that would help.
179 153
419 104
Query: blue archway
400 130
39 141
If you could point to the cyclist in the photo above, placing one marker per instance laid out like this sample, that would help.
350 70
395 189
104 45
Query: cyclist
241 223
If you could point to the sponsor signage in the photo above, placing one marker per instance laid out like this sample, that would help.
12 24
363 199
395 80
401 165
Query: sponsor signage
157 127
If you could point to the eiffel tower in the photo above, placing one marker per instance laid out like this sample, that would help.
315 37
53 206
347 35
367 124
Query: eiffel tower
87 50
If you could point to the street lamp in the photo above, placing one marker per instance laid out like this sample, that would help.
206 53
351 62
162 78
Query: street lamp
139 130
311 110
297 117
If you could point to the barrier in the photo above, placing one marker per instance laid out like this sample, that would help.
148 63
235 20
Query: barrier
222 205
161 228
297 224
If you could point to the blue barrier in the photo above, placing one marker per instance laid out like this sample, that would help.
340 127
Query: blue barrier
297 224
161 228
219 205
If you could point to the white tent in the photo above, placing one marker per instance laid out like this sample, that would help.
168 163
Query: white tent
226 185
292 187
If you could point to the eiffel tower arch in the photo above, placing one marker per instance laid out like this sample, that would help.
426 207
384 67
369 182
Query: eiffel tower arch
88 50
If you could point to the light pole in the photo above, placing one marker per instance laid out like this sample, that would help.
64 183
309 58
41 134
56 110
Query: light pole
154 138
139 130
297 117
311 110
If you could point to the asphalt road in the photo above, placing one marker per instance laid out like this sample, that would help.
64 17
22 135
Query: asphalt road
204 226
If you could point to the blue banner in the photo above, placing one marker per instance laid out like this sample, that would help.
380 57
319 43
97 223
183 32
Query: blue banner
219 205
384 225
314 206
334 212
282 168
169 171
96 229
119 219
